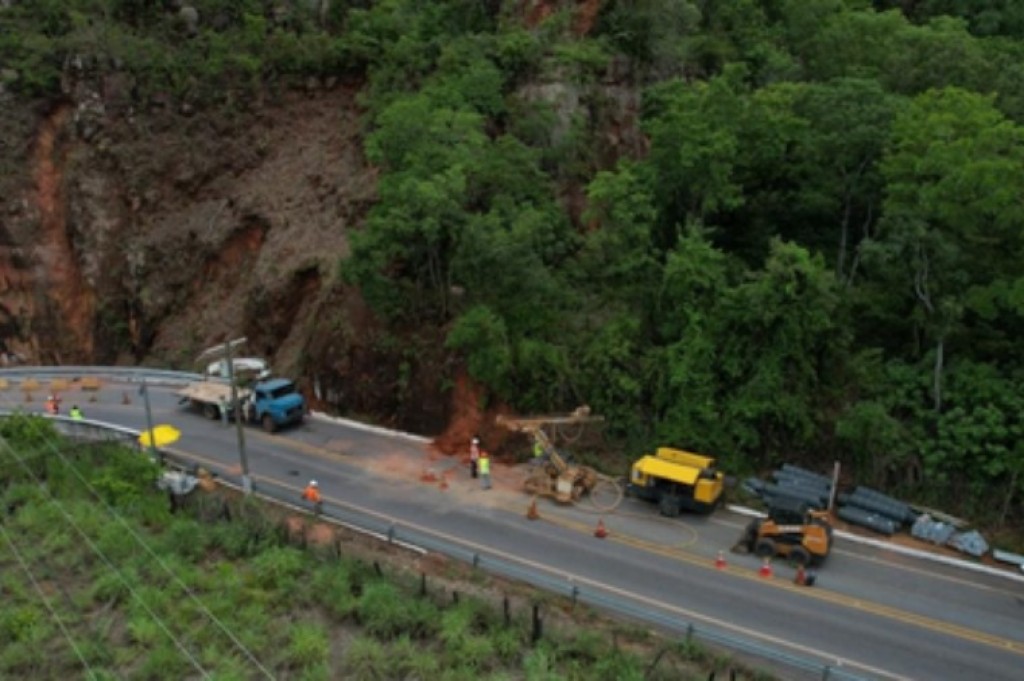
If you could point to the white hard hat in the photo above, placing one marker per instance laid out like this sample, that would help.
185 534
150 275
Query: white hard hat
476 440
313 483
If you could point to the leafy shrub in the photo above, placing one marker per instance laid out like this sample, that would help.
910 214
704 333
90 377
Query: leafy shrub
508 644
333 585
385 612
409 660
366 658
278 568
20 624
125 478
166 662
308 646
185 538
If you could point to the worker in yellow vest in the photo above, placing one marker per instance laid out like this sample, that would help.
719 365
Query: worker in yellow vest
76 413
484 469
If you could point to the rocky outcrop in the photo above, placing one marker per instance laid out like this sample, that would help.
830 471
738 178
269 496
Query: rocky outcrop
142 233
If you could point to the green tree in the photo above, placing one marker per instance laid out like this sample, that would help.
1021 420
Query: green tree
953 224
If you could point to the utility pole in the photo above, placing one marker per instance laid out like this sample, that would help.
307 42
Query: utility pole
246 480
149 419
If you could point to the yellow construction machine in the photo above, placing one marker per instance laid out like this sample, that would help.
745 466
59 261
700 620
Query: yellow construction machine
553 476
677 480
792 531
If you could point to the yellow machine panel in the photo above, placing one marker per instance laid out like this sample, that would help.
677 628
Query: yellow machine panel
685 458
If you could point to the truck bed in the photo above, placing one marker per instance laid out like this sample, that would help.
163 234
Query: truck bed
208 392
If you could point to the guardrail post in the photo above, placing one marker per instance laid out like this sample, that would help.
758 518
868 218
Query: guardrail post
538 627
826 672
689 632
476 560
391 533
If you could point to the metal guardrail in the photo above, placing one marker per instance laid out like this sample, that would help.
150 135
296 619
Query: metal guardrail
579 590
127 374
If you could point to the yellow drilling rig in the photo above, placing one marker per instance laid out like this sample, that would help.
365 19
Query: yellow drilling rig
553 476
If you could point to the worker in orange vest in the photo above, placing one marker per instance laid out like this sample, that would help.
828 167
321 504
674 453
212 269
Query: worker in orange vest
52 405
312 495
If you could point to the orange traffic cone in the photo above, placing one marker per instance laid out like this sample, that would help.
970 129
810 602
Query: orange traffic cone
766 568
720 561
601 532
531 512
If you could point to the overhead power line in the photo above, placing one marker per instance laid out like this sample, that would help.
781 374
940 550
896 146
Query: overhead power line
92 545
46 602
174 576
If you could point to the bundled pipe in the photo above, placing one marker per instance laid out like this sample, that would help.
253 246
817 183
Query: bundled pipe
784 477
879 503
796 471
799 494
863 518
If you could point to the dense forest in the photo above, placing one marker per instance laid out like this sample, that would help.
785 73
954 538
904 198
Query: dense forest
766 229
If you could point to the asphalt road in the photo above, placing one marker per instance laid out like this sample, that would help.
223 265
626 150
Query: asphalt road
879 614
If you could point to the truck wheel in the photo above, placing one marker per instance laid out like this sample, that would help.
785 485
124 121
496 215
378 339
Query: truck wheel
268 423
211 412
764 548
800 556
669 506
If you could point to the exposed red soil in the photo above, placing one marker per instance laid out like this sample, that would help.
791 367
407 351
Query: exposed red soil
56 252
468 419
584 14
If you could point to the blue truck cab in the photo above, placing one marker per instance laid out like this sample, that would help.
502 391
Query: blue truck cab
275 403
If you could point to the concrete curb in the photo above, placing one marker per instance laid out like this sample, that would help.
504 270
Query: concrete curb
902 550
320 416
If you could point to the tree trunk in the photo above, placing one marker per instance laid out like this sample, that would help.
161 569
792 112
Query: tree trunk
937 377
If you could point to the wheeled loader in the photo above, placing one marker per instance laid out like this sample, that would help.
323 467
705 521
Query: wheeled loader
791 531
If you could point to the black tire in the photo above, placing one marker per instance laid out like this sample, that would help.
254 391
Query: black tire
268 423
764 548
211 412
670 506
798 555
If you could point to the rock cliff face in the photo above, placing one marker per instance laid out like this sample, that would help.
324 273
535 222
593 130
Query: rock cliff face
147 235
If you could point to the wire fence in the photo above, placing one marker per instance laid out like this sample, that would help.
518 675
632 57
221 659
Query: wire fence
579 590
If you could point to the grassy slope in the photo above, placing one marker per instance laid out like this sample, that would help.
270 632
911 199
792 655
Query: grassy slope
134 587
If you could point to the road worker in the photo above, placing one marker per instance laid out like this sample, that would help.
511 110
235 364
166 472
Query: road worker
538 453
52 405
76 413
474 456
484 469
312 495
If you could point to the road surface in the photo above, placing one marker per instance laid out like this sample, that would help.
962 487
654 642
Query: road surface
878 614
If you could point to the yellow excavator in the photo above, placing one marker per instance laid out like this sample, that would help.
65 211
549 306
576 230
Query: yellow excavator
554 476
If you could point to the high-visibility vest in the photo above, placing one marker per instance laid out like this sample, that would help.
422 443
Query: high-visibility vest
312 494
538 450
484 465
76 414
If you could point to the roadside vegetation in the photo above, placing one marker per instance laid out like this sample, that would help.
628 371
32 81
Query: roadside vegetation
100 580
766 229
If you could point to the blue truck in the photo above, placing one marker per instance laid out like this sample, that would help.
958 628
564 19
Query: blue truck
272 403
